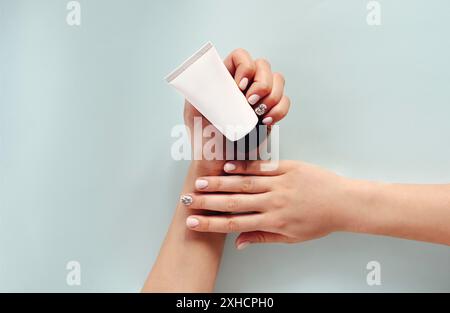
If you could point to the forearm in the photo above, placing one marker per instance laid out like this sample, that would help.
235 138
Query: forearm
188 261
418 212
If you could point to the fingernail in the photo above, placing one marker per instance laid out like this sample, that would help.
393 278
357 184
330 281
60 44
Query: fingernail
186 199
243 245
201 184
228 167
253 99
192 222
261 109
243 84
267 121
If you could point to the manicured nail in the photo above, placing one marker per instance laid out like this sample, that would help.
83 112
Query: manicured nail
243 245
253 99
261 109
267 120
201 184
192 222
228 167
243 84
186 199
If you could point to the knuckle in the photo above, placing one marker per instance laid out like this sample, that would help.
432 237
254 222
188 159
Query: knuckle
280 77
231 225
271 100
218 183
279 223
239 51
263 62
283 111
251 68
264 87
201 203
245 61
278 202
232 204
288 101
247 184
205 224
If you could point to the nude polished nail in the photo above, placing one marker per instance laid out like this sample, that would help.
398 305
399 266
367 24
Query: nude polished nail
253 99
228 167
201 183
267 121
244 83
192 222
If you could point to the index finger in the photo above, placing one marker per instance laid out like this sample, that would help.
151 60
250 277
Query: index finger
257 167
241 65
227 223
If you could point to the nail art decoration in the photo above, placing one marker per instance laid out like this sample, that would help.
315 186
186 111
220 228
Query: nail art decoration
261 109
186 199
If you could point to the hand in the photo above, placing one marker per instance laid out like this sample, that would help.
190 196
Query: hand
293 203
262 88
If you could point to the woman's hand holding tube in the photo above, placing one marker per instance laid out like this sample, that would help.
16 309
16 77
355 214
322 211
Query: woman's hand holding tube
263 89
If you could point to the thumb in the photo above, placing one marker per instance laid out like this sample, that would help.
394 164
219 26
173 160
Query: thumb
244 239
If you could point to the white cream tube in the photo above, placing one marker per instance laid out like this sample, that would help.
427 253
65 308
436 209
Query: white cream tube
206 83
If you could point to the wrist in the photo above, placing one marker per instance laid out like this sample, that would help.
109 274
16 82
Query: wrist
358 203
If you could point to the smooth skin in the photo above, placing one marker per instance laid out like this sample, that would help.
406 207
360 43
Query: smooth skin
298 202
188 261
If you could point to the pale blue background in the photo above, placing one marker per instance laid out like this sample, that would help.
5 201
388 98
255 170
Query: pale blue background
85 120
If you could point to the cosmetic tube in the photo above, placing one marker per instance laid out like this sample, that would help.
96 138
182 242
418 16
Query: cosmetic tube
206 83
